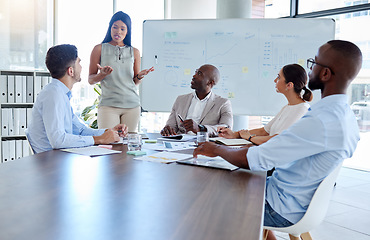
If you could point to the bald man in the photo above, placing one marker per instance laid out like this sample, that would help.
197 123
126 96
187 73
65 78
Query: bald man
304 154
201 110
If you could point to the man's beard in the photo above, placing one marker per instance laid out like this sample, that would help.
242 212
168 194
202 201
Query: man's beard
315 83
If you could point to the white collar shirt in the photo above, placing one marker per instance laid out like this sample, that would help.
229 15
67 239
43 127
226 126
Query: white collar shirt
197 107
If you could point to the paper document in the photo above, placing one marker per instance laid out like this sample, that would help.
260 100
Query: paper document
154 146
174 146
169 146
164 157
212 162
230 142
91 151
180 137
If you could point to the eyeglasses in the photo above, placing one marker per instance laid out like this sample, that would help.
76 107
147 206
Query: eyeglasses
311 62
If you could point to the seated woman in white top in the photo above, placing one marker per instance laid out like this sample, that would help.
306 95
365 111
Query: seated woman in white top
291 81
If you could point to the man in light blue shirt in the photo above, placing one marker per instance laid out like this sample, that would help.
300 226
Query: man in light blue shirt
304 154
53 124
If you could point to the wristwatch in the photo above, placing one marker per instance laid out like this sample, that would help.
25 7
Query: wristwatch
202 128
252 135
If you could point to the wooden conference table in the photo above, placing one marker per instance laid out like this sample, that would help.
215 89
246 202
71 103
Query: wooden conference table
57 195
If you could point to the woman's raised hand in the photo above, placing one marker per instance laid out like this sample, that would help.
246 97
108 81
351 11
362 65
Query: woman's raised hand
106 70
144 72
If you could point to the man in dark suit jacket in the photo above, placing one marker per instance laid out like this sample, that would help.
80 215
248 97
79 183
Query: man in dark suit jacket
202 110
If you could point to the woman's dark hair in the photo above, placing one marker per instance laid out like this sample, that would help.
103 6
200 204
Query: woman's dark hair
126 20
59 58
297 75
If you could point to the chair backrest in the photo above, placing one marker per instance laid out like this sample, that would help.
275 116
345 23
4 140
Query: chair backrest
27 137
318 207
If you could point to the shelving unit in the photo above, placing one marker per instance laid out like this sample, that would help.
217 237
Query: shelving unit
18 91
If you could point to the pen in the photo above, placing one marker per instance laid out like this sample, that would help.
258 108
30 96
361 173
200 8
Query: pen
220 130
181 119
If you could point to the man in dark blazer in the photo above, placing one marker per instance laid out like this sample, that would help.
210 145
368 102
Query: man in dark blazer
202 110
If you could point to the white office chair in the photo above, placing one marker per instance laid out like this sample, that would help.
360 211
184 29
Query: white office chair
29 144
315 213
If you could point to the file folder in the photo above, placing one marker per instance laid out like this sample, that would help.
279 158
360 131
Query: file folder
10 122
11 98
24 89
29 89
5 150
22 120
4 122
28 116
18 149
16 120
3 89
18 88
26 148
11 150
36 87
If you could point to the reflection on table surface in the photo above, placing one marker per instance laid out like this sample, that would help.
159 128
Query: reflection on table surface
60 195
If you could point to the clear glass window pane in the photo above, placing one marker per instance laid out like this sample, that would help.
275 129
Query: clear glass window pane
308 6
25 33
139 11
347 26
84 29
277 8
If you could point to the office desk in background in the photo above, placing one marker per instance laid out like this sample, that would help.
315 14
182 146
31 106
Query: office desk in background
62 196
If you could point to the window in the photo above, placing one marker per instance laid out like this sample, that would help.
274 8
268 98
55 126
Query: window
25 33
277 8
347 29
139 11
307 6
84 29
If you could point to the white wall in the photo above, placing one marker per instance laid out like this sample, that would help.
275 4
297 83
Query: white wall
192 9
234 8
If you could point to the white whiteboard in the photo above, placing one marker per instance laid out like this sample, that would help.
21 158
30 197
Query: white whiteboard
248 52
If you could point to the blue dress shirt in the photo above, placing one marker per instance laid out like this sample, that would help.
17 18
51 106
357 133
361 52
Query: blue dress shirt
304 154
54 125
